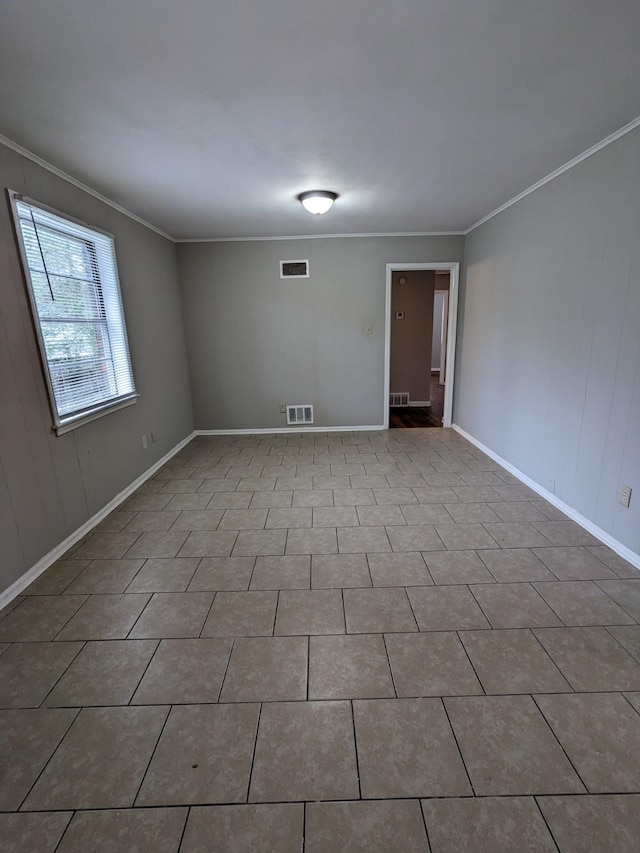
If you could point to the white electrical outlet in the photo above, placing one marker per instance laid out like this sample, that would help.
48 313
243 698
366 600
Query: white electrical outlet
283 409
153 437
624 498
144 442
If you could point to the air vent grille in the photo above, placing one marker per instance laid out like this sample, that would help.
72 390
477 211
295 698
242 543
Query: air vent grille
300 414
398 400
294 269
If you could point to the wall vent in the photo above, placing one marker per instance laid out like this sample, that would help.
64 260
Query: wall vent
397 400
294 269
301 414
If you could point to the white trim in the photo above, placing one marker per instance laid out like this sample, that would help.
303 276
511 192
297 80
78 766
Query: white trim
589 526
421 403
320 236
29 155
44 562
294 428
452 322
557 172
301 261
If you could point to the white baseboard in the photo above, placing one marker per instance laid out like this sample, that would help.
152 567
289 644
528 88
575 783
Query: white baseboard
422 403
292 429
44 562
624 552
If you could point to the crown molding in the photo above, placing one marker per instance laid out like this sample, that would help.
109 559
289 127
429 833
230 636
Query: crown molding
557 172
29 155
320 236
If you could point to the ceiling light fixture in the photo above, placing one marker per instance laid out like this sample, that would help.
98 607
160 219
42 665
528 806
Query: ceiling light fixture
317 201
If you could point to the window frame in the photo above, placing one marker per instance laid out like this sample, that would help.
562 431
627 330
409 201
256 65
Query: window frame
113 307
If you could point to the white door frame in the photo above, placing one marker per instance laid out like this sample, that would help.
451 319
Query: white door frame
452 321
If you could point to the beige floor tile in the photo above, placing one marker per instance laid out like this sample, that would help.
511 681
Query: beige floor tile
150 521
201 500
203 756
374 481
105 617
516 534
513 661
386 826
428 513
590 659
304 751
470 513
267 669
39 618
599 824
199 519
516 492
75 777
431 664
460 537
353 497
147 503
260 500
56 578
387 496
208 543
4 647
339 571
28 833
173 615
626 593
184 672
182 486
629 637
475 494
260 543
582 603
104 673
569 564
293 572
565 533
103 576
241 614
30 737
107 546
457 567
349 667
329 481
436 495
421 537
446 608
518 511
621 567
221 484
222 573
317 497
486 825
245 829
291 483
378 516
316 611
164 575
403 569
285 517
600 733
257 484
360 540
514 605
243 519
508 747
512 565
634 700
406 749
335 516
372 611
142 830
28 671
158 544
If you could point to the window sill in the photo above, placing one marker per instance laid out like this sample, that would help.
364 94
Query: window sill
80 420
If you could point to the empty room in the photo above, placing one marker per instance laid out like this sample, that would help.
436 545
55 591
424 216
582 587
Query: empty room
319 427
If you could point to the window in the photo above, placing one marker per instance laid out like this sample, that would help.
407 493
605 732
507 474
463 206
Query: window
72 279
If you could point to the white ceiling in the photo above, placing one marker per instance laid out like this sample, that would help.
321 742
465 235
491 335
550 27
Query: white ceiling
206 119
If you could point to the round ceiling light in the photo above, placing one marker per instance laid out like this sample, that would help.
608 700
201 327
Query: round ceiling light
317 201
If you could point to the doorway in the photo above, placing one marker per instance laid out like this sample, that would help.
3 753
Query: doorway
431 381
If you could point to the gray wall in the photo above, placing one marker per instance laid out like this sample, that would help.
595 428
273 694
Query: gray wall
49 485
256 340
548 372
411 337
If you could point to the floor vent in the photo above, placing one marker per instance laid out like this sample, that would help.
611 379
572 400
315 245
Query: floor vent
397 400
302 414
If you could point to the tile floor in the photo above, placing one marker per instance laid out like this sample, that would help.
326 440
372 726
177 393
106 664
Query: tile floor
327 642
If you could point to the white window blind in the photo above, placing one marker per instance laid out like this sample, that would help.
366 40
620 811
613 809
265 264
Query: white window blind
73 285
